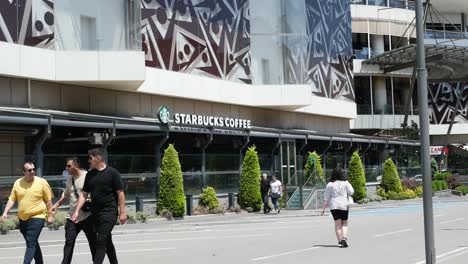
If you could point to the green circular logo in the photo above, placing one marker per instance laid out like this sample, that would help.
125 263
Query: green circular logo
164 115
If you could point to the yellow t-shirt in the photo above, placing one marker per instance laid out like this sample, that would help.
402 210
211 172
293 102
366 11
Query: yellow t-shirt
31 197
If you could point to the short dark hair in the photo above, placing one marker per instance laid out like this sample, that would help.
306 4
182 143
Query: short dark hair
337 175
75 160
28 162
96 152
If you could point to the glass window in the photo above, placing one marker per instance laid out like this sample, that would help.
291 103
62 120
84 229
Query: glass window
377 2
363 95
360 45
397 3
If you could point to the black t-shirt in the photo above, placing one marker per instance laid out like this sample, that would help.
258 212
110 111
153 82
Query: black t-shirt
103 186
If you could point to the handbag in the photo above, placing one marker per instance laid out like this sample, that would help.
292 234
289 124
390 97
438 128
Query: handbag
350 200
87 205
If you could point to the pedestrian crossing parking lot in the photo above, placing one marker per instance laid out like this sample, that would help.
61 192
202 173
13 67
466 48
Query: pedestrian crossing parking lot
377 235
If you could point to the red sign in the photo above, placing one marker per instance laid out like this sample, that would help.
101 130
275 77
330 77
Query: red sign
437 150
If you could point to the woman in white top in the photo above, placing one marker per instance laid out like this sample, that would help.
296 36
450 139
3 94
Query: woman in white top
336 198
275 193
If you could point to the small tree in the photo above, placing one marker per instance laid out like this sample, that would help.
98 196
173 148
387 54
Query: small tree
250 181
314 165
357 177
171 191
390 179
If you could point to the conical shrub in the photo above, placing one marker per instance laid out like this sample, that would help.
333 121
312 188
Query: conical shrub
357 177
171 191
390 179
314 165
250 181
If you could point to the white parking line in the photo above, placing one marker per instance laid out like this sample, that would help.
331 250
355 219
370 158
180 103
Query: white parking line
394 232
154 241
86 253
451 221
446 254
286 253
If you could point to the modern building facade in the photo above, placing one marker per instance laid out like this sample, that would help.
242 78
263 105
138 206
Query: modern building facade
213 77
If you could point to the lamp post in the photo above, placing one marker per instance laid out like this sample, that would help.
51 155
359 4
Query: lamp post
424 136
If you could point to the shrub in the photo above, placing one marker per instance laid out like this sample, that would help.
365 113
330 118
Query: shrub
314 165
357 177
6 227
235 209
250 182
200 210
166 214
443 185
409 183
171 192
381 192
392 195
141 217
419 191
453 182
462 189
390 179
407 194
208 198
439 185
131 219
217 210
59 220
442 176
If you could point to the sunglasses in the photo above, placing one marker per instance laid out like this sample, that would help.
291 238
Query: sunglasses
68 166
30 170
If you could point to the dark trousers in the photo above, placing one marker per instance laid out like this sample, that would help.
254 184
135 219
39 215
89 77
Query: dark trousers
31 229
71 232
104 223
266 207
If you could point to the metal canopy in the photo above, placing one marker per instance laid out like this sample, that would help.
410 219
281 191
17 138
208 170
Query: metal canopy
444 63
11 115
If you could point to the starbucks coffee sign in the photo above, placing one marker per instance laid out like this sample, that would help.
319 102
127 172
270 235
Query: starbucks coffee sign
202 120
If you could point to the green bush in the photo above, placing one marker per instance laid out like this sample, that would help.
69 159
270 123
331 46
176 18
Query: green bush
381 192
444 185
166 214
442 176
419 191
131 219
7 226
407 194
392 195
141 217
356 177
208 198
250 182
390 179
314 165
463 189
439 185
171 191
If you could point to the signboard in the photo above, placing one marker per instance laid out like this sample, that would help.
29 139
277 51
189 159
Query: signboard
164 117
437 150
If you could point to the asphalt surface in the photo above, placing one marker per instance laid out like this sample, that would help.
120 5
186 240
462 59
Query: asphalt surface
390 234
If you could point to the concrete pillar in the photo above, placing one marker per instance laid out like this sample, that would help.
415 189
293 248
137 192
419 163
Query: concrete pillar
379 92
377 44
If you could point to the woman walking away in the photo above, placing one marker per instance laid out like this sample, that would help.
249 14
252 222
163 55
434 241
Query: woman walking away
275 193
336 198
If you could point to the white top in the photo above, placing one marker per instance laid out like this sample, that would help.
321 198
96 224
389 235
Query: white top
336 193
275 186
69 193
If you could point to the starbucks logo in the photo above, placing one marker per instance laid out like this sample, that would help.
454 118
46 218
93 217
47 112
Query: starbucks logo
164 115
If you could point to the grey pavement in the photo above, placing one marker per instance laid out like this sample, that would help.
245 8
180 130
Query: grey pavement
389 232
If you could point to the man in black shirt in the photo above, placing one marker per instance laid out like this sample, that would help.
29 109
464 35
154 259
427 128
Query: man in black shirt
106 188
264 189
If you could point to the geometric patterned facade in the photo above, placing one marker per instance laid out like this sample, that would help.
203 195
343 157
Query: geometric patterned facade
443 102
27 22
324 59
204 37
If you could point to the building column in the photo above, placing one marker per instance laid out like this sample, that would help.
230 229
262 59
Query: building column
377 44
379 92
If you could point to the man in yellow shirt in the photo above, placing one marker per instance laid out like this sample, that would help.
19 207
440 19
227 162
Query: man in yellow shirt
34 198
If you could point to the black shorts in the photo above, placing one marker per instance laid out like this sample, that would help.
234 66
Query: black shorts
340 214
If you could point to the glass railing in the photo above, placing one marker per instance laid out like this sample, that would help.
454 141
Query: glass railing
361 54
404 4
441 34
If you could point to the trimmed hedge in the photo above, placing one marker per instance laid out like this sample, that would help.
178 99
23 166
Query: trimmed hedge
463 189
356 177
208 198
171 191
390 179
250 196
439 185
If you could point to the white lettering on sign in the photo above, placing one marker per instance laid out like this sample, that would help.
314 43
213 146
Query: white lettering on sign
437 150
188 119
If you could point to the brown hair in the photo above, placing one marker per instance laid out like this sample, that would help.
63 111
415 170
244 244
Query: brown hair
96 152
